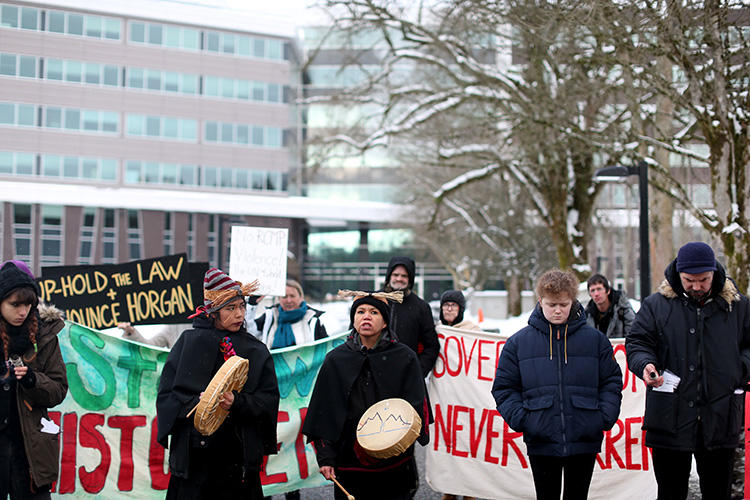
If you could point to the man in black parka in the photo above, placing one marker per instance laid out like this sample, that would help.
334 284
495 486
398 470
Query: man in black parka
411 320
697 326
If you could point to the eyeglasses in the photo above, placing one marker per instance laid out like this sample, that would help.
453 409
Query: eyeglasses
450 305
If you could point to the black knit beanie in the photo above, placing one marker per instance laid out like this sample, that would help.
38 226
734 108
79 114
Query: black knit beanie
381 306
457 297
11 277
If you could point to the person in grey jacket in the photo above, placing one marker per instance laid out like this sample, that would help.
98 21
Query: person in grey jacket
609 311
695 327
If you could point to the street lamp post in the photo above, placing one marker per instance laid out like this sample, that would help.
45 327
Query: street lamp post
641 170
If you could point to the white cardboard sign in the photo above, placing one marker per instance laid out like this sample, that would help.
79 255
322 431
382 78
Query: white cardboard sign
260 253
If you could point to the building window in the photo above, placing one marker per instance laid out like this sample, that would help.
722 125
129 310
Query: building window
168 234
172 37
242 135
135 237
109 237
13 163
12 16
18 65
162 127
22 223
82 169
191 237
244 46
17 114
89 73
51 235
212 239
88 236
162 81
70 23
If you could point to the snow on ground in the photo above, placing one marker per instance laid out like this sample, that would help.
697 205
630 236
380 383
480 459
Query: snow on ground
336 319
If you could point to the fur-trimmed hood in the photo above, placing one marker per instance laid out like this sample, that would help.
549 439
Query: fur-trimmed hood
52 321
722 288
49 313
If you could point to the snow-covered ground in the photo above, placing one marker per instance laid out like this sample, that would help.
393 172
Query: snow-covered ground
336 319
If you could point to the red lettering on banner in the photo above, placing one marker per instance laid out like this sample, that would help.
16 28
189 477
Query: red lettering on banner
441 358
458 427
491 434
467 361
55 417
509 439
628 378
443 426
475 437
90 437
482 343
67 480
610 451
446 348
629 442
127 426
280 477
469 352
299 446
159 478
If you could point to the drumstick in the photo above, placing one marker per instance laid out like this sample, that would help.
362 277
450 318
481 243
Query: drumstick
348 496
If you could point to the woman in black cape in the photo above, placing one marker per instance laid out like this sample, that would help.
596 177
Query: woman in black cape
227 464
369 367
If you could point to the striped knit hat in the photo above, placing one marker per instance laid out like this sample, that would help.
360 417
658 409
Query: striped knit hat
219 290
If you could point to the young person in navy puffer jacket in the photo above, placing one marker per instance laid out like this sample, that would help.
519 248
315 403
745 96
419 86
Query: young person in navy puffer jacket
558 383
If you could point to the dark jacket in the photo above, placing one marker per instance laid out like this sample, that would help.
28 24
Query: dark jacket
50 388
411 320
191 364
351 379
708 347
621 315
559 385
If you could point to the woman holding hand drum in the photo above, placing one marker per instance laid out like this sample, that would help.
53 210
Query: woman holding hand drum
225 464
369 367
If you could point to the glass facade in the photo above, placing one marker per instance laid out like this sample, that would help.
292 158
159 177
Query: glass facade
162 127
132 113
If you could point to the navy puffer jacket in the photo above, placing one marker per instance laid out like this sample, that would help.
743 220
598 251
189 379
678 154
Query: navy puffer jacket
559 385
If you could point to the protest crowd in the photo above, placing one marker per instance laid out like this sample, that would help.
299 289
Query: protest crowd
588 397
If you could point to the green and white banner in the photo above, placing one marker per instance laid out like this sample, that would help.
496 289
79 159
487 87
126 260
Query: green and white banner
108 420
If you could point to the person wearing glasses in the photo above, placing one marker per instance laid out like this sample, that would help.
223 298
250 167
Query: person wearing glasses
452 308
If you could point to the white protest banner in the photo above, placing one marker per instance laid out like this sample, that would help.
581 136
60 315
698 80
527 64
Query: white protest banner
260 253
472 451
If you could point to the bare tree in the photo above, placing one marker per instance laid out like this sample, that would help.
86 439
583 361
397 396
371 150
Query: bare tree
501 74
544 92
703 118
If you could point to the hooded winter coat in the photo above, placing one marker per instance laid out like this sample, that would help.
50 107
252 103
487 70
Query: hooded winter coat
411 320
559 385
43 448
708 347
621 311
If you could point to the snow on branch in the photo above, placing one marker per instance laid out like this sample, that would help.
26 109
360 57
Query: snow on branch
465 178
473 225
